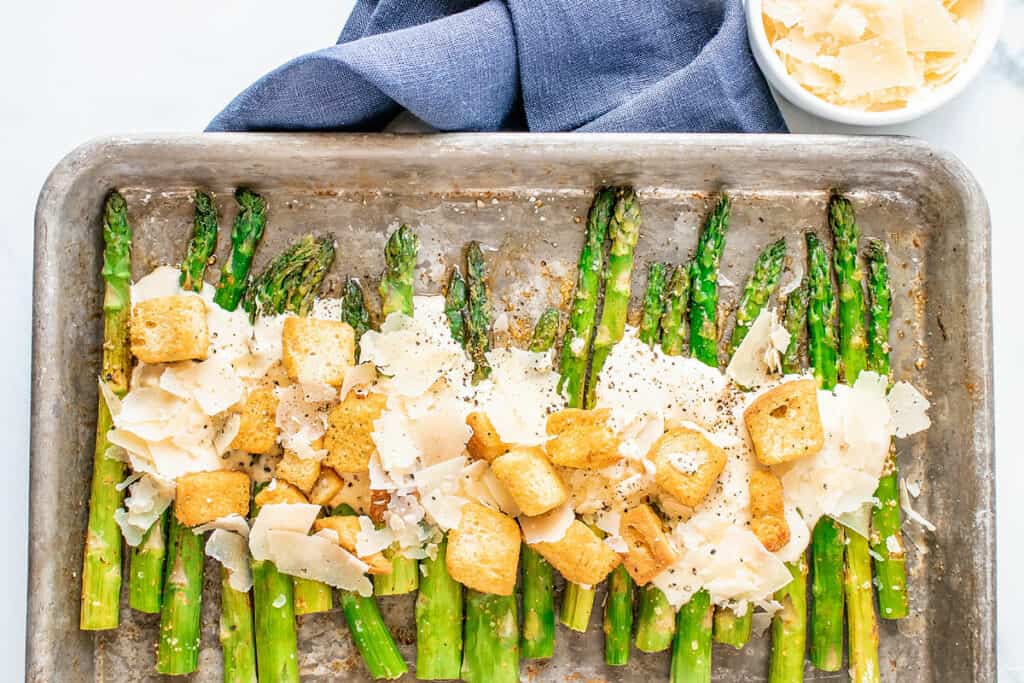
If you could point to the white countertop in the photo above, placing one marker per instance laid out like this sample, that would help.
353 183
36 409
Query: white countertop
74 71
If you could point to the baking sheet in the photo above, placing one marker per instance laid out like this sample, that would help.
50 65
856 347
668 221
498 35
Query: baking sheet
526 195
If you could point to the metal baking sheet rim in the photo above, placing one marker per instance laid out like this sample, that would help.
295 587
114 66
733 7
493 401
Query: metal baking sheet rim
46 610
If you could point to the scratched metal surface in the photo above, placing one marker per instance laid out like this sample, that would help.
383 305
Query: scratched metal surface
525 195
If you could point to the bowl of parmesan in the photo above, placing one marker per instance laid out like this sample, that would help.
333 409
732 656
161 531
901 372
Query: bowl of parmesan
872 62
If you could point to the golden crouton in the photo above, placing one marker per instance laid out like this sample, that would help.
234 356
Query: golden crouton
327 486
279 492
347 528
485 444
784 423
687 463
530 479
202 497
582 439
650 552
483 551
301 472
767 510
580 555
257 429
169 329
315 350
348 439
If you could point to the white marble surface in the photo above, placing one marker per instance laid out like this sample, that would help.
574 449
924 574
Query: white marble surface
73 71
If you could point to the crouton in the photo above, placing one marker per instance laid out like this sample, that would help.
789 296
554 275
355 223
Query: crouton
582 439
530 479
300 472
784 423
316 350
327 486
650 551
347 528
767 510
257 428
355 492
279 492
202 497
348 440
169 329
687 463
483 551
485 444
580 556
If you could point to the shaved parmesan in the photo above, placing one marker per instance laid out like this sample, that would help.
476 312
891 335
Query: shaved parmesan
211 383
759 354
233 522
231 550
909 410
358 377
319 558
372 540
110 398
908 509
799 536
549 527
146 501
302 416
297 517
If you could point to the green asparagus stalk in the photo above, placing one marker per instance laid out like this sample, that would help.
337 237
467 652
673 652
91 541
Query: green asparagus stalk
304 288
145 583
178 647
237 640
732 629
396 284
538 582
455 306
353 310
704 285
789 625
691 650
202 245
618 617
101 567
478 327
492 639
827 539
861 619
245 235
369 632
891 569
438 620
273 606
582 318
673 320
762 282
655 620
654 303
312 597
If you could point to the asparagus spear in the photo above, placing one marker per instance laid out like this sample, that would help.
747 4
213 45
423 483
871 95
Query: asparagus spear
202 245
101 567
146 572
537 583
478 326
654 304
618 617
576 344
455 306
438 620
655 620
691 653
237 641
827 539
885 520
245 235
273 601
353 310
673 320
731 629
789 625
396 294
759 287
862 621
178 648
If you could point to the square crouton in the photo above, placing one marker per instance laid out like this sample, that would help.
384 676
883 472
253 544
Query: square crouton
315 350
170 329
784 423
485 444
327 486
257 428
348 440
278 491
202 497
767 510
483 551
347 528
582 439
650 552
580 556
530 479
300 472
687 464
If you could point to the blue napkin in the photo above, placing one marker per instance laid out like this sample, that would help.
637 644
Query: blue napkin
540 65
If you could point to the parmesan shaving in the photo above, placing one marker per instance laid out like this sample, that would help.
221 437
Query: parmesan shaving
908 509
146 501
759 355
297 517
550 527
231 551
317 557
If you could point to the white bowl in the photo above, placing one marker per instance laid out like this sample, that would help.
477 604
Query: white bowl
777 76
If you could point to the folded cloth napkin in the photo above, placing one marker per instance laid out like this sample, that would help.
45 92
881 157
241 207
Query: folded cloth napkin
543 65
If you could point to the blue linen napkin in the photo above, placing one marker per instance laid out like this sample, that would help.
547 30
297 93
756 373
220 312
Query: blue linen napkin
542 65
